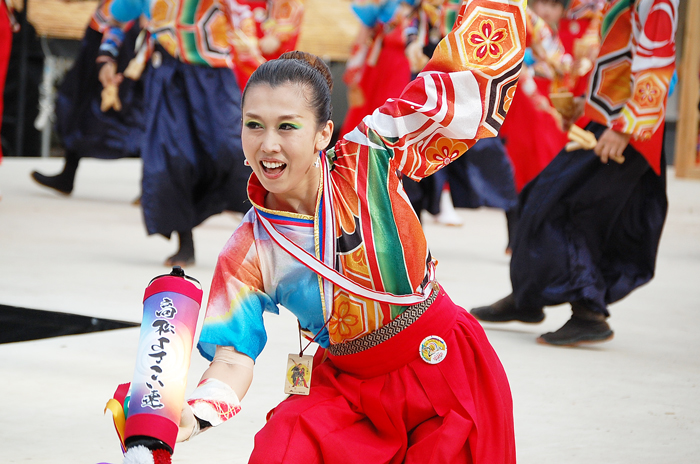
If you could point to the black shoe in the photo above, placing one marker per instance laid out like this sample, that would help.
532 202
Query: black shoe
59 182
504 310
578 331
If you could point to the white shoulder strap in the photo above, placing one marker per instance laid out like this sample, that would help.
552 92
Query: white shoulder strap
337 278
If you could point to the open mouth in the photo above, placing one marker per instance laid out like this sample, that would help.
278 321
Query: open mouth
273 168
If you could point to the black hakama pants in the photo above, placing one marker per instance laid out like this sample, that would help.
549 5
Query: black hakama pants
83 127
588 232
192 154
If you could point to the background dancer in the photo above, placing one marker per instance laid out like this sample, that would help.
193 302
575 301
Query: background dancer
84 128
591 221
191 150
433 390
378 68
558 62
579 35
533 132
273 29
484 175
277 25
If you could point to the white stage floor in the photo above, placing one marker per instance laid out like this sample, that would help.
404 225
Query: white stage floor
635 399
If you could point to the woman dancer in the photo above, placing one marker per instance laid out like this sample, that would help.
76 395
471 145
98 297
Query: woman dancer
404 374
591 221
191 148
85 129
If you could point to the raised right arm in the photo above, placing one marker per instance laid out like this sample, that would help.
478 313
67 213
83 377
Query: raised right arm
462 95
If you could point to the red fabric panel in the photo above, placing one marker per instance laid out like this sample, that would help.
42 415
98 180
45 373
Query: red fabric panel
5 49
544 85
570 30
161 456
532 138
386 79
383 409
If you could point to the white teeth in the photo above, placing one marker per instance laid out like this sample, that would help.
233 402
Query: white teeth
272 164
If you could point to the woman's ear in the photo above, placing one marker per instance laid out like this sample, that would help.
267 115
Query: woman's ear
323 137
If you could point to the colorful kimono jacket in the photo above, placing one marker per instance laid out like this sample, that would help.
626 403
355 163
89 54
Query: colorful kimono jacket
364 226
199 32
378 68
631 77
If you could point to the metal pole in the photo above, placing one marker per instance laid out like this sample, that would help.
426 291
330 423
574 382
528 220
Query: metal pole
686 159
22 94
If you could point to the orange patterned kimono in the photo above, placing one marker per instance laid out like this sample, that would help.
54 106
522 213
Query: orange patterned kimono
202 32
462 95
630 80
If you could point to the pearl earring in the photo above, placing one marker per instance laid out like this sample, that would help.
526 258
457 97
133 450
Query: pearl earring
245 162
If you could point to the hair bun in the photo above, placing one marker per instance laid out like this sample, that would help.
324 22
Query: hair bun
313 61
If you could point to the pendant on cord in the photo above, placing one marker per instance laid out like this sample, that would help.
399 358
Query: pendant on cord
297 381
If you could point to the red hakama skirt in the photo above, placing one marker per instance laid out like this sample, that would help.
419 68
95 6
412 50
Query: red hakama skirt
387 405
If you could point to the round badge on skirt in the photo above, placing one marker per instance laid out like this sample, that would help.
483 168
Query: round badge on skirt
433 349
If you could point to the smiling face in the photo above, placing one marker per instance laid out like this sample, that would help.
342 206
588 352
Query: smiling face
281 140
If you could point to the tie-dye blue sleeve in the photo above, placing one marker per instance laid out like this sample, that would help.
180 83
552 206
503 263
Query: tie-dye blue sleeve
242 329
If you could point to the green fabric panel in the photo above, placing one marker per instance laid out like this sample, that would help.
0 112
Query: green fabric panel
451 17
188 12
189 49
612 15
385 234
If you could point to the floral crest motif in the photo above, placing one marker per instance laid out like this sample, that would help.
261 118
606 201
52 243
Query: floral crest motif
444 151
648 94
487 40
342 320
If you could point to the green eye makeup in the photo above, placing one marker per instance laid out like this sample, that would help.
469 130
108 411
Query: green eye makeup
253 123
291 124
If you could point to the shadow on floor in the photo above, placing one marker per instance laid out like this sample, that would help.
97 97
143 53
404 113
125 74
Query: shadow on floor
22 324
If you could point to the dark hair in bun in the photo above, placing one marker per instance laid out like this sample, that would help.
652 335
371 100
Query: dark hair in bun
299 68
